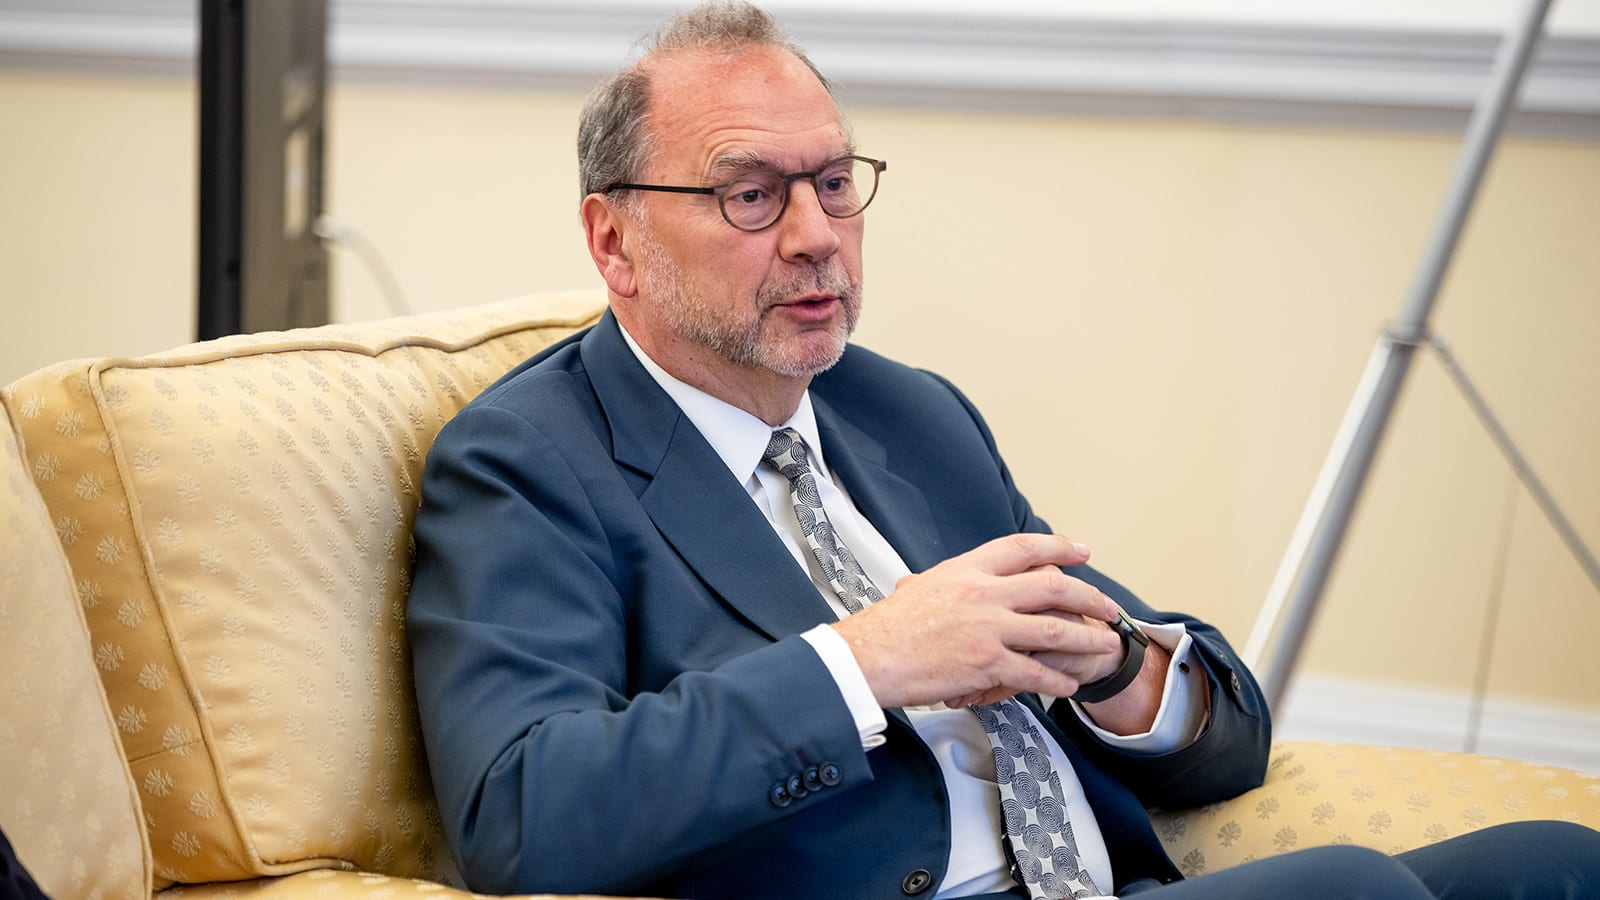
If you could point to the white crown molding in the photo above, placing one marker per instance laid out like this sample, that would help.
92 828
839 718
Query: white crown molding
1354 712
957 56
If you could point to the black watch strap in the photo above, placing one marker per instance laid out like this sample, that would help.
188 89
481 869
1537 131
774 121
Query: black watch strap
1134 641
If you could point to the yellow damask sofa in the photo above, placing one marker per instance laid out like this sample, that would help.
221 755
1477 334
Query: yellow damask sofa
204 682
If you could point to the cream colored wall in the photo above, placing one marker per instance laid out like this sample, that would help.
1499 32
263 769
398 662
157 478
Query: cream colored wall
1162 320
97 233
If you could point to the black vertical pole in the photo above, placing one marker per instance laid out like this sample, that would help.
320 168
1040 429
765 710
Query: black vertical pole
221 190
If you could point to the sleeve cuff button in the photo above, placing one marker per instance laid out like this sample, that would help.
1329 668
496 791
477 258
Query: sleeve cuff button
813 779
779 795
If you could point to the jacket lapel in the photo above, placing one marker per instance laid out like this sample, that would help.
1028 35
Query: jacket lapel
695 503
894 506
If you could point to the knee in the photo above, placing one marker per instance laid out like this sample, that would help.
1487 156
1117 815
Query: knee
1565 844
1543 859
1550 833
1360 872
1563 833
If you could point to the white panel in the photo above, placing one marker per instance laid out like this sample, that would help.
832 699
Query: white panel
1343 711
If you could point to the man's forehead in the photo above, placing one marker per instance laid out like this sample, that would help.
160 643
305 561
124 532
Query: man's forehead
753 108
716 67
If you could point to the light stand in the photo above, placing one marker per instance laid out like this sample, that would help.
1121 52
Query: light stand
1280 630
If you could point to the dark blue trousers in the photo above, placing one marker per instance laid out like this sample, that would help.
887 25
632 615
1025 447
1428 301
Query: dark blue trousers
15 883
1517 861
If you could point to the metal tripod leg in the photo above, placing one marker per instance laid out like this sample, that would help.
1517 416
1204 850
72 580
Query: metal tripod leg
1280 630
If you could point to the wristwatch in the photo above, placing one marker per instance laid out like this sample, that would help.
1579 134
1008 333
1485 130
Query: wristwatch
1134 640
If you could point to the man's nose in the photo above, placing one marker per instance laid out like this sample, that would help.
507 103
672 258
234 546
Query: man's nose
807 231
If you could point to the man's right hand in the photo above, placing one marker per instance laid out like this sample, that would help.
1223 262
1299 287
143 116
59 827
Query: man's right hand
966 630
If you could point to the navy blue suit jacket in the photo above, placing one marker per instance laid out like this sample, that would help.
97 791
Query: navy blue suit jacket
608 668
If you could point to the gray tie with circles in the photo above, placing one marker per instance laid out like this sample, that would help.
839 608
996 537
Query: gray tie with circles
1039 838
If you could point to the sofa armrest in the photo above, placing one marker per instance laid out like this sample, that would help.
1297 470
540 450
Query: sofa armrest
236 517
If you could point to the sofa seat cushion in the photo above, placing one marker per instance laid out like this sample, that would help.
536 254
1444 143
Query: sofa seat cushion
69 806
1384 798
238 516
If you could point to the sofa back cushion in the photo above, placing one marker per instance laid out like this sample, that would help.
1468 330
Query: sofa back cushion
69 806
238 514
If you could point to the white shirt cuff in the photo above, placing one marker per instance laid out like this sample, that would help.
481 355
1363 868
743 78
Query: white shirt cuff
1182 715
841 664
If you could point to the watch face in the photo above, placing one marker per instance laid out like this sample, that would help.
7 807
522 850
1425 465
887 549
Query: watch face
1127 627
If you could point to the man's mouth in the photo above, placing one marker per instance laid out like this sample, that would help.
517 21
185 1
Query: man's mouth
811 306
812 300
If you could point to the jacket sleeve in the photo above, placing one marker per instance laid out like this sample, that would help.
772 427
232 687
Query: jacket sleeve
1229 756
555 770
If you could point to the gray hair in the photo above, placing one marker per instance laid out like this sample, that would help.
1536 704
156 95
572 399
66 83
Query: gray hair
614 139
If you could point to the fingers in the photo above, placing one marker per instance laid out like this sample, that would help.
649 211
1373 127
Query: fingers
1023 572
982 698
1047 589
1055 633
994 696
1074 667
967 627
1017 553
1074 647
1028 674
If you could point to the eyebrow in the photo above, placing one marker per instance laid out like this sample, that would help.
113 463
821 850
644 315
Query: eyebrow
740 163
743 163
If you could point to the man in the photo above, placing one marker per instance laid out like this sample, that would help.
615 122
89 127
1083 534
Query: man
709 604
15 882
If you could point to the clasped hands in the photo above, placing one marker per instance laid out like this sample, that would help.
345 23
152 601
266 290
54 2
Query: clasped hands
995 621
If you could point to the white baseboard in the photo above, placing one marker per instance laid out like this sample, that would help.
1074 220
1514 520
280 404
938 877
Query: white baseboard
1355 712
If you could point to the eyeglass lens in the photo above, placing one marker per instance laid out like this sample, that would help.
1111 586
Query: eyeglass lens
756 200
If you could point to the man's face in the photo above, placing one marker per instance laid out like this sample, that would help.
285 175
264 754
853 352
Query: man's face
746 305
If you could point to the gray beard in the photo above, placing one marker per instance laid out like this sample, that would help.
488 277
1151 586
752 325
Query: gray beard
689 315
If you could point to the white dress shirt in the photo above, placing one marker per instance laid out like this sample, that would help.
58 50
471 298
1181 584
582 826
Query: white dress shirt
977 861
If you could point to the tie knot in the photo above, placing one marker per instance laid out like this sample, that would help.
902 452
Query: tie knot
787 453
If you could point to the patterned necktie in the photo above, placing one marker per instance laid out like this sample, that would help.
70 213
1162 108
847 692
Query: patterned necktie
1044 855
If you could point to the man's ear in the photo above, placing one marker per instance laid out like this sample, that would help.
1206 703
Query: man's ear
605 226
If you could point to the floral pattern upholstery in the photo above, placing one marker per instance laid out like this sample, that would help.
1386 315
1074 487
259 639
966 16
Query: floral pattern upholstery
1387 799
68 807
237 516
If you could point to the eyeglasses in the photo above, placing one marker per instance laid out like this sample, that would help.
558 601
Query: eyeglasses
756 200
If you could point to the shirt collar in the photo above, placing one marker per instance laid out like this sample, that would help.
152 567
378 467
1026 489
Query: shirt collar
738 437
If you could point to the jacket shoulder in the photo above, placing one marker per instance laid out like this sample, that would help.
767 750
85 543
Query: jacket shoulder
866 380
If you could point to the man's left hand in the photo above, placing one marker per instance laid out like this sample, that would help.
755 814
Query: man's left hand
1131 711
